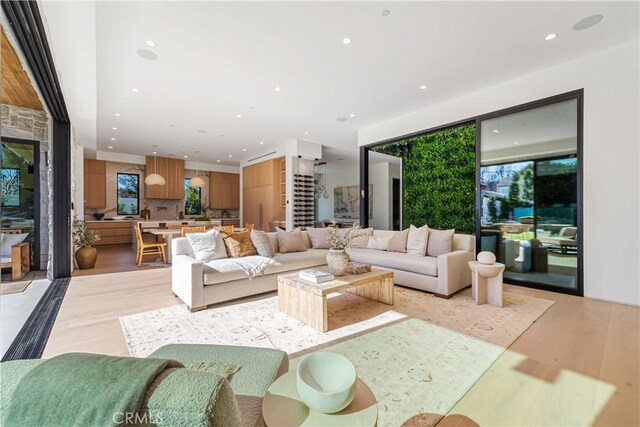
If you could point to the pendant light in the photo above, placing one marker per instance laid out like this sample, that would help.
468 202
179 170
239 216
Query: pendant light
154 178
196 181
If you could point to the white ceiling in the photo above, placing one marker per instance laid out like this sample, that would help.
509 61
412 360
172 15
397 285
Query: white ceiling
219 59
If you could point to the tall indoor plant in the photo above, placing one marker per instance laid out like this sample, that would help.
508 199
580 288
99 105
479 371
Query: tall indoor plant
83 239
339 242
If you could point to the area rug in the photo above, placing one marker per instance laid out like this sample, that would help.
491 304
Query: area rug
9 287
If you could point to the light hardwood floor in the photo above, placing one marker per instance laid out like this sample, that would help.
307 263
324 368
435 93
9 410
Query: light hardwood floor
114 259
581 353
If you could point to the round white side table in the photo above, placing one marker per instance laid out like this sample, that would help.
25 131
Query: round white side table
486 283
282 407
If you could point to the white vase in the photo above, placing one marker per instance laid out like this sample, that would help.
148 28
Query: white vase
337 260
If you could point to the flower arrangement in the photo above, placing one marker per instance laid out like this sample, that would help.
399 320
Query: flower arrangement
342 241
83 238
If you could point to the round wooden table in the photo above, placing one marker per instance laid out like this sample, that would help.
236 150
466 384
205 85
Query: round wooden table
282 407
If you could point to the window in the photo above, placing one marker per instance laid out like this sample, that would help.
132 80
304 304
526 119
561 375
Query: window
11 187
192 199
128 193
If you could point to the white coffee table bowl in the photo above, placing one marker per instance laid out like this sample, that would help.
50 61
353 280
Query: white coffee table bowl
326 381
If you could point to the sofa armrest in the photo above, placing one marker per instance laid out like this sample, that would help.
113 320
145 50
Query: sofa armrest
453 271
187 280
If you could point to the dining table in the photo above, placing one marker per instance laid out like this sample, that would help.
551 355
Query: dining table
167 234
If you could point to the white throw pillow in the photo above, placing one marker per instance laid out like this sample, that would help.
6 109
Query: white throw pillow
440 242
380 243
8 240
207 246
261 241
417 240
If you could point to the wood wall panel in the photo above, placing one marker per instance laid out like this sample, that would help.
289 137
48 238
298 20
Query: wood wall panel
16 86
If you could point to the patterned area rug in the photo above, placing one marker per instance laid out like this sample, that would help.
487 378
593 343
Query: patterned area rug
419 356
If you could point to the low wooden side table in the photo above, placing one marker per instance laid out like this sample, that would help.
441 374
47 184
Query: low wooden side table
307 301
486 283
282 407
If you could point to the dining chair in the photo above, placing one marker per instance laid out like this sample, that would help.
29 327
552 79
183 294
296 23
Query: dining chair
195 229
227 229
148 248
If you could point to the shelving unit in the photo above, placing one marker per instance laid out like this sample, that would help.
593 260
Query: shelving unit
283 183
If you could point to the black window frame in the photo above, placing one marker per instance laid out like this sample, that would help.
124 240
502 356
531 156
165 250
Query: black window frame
186 212
118 193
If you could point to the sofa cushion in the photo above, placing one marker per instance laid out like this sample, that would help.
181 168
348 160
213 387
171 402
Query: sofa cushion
416 264
398 242
239 244
207 246
417 240
440 242
380 243
290 241
363 236
318 237
262 243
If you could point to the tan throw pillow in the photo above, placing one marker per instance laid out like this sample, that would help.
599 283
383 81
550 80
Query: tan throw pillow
262 243
417 240
440 242
380 243
290 241
239 244
398 242
318 237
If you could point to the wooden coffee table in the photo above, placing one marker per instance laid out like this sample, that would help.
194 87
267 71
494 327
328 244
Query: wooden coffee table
307 301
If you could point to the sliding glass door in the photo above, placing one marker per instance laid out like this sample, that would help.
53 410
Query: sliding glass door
529 180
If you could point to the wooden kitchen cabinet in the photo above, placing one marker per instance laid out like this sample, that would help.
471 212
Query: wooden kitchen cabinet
95 184
172 170
261 194
112 232
224 190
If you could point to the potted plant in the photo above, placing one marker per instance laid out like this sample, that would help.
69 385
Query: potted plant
338 258
83 240
202 221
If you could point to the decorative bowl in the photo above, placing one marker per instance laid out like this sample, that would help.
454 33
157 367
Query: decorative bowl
326 381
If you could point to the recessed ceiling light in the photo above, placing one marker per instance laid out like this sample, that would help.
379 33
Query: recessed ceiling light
113 139
239 116
186 157
154 145
223 135
218 160
423 87
230 155
151 43
147 54
495 131
244 149
346 40
516 142
261 143
352 115
135 89
277 89
117 114
306 133
551 36
588 22
155 152
110 147
114 128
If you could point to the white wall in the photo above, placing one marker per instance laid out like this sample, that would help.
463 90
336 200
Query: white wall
611 153
337 177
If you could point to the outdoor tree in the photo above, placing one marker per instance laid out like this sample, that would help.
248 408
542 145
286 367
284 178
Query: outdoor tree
492 208
514 191
527 184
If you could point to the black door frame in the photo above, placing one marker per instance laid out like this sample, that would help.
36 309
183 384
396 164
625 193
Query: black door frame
35 265
578 95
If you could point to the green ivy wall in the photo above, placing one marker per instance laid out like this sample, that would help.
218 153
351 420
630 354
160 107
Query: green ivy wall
438 178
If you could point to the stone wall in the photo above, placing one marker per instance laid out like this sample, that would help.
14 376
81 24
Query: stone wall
35 125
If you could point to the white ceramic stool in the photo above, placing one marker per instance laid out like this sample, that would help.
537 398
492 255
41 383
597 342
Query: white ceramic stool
486 282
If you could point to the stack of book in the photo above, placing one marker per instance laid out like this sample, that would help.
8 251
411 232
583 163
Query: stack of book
315 276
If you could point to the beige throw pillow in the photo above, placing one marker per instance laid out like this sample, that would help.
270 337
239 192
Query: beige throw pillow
380 243
319 237
262 243
362 240
239 244
398 242
440 242
290 241
417 240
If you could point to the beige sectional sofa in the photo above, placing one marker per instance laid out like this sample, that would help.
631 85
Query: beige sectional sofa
199 284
